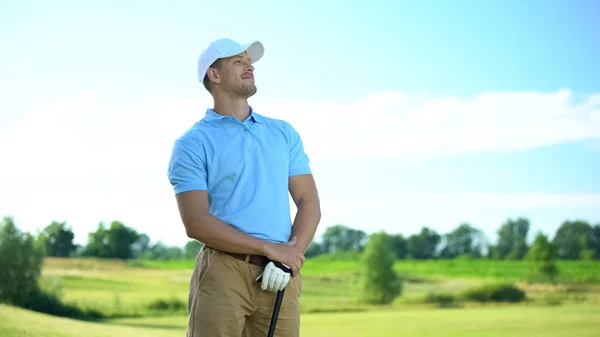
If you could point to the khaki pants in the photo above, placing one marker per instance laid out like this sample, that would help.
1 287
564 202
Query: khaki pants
226 301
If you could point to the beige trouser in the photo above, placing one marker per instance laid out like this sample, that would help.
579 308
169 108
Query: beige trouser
226 301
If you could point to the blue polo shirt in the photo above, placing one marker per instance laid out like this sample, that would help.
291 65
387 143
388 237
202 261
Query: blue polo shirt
245 167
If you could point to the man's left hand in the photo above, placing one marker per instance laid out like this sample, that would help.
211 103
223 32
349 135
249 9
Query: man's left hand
275 276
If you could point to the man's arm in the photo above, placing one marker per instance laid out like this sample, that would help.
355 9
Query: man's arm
210 230
304 193
187 173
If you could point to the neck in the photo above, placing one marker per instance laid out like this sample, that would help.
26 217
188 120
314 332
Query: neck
228 106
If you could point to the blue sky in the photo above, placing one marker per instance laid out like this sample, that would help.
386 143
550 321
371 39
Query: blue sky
413 113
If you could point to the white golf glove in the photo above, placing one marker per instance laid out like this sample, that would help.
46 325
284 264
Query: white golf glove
275 276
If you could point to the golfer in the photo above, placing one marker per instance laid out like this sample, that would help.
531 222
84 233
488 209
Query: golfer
232 173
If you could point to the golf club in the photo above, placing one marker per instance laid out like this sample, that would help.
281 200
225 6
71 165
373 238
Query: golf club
277 305
275 315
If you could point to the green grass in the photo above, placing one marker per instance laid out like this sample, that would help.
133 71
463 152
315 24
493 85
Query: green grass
117 289
21 323
514 321
570 271
113 287
331 283
330 303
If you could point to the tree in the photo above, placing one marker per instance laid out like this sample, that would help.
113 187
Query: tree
121 240
141 246
424 245
568 239
588 251
492 252
160 251
57 239
596 241
381 284
118 241
399 246
512 240
542 254
191 249
97 245
20 264
342 238
314 249
465 240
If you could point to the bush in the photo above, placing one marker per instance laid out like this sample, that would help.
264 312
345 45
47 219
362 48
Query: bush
381 284
21 261
48 303
542 255
167 305
442 300
500 292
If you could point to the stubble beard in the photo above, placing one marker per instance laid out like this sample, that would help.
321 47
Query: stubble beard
244 90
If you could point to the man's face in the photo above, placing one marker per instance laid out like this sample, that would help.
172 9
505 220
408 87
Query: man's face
237 76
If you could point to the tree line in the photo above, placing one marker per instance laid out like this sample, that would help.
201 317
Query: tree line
112 241
573 240
22 254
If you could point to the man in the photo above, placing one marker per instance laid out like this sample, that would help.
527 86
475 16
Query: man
232 173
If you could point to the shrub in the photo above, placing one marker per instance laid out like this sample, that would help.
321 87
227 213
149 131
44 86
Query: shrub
542 255
381 284
167 305
21 261
48 303
495 292
442 300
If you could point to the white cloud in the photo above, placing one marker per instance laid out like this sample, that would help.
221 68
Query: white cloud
90 156
399 124
90 132
20 66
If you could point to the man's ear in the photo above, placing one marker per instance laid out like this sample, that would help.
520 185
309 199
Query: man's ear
213 75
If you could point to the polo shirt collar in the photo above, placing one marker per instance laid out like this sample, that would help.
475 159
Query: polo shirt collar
215 119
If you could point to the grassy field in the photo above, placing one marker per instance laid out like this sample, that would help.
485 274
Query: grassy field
570 271
118 288
572 320
149 298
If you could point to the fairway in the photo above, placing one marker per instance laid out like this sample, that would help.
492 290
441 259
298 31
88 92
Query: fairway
122 292
559 321
117 288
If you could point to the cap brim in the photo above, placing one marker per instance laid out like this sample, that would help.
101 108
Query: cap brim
255 51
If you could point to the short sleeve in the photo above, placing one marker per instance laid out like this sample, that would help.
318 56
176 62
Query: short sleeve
187 168
299 163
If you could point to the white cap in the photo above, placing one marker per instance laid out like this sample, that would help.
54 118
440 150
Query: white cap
223 48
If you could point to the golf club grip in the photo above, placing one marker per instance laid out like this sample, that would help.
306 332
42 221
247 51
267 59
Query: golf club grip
275 315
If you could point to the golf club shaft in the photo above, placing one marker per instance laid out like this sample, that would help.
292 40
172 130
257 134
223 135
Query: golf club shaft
275 315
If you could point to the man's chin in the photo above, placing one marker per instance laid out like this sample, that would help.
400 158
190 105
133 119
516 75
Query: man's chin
251 91
245 91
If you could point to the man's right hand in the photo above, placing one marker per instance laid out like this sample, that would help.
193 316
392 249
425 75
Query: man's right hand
286 253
